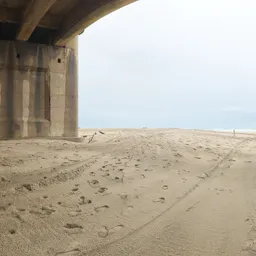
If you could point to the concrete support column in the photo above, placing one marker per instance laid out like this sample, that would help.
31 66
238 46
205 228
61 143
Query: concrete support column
71 90
38 90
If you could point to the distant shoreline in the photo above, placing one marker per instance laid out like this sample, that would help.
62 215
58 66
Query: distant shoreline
171 128
237 130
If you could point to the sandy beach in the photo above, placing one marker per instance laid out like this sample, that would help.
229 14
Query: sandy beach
129 192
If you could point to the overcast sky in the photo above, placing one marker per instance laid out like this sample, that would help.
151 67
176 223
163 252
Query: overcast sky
170 63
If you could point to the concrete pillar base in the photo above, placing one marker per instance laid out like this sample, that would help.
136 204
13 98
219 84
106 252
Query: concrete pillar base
71 139
38 90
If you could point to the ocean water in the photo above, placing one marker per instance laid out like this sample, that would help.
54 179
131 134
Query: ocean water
237 130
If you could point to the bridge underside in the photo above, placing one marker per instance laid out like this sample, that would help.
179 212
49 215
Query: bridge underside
38 64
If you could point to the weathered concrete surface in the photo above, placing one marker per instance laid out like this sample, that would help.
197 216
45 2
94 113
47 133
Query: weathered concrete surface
38 90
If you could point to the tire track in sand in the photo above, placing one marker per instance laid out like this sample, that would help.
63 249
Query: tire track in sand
103 250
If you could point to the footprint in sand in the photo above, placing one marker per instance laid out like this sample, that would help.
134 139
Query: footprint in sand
15 214
159 200
3 179
74 189
184 180
12 231
94 183
218 190
128 210
103 232
165 187
47 210
123 196
115 229
101 208
102 190
84 200
72 226
29 187
203 176
3 207
43 212
75 213
21 209
73 229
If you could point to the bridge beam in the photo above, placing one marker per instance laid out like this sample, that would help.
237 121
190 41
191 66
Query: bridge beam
83 16
11 15
33 13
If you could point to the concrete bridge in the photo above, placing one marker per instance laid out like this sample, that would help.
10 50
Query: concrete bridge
38 64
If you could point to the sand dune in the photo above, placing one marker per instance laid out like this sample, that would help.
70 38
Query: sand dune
129 192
